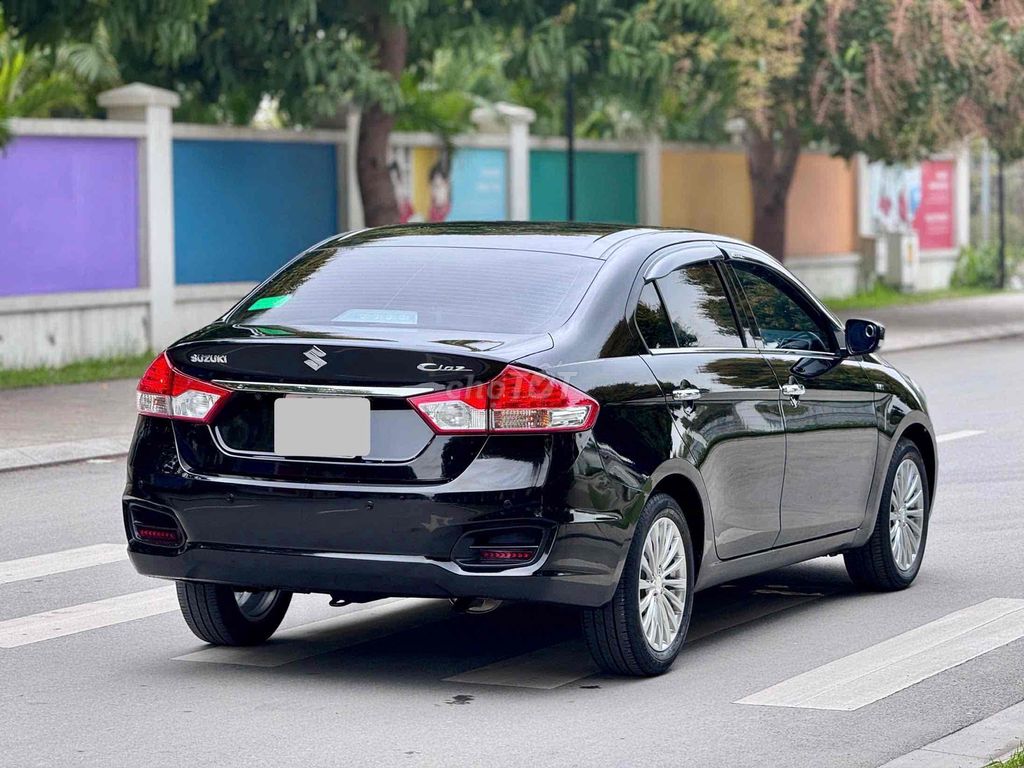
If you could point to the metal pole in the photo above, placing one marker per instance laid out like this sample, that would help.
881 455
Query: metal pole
985 202
570 154
1001 192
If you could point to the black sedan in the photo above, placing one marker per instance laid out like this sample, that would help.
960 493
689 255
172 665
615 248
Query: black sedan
588 415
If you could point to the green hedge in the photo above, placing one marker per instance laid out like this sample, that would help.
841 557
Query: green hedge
978 266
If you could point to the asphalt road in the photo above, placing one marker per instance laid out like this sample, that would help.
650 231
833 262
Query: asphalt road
370 687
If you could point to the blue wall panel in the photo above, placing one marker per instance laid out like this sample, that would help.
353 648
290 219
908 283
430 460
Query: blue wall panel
244 208
479 185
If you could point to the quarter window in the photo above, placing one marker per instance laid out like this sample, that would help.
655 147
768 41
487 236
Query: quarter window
652 320
699 309
785 317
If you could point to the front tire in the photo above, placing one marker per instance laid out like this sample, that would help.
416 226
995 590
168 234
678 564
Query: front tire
222 616
641 630
891 558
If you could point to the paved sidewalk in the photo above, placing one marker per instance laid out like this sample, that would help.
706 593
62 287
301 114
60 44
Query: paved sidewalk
955 321
50 425
976 746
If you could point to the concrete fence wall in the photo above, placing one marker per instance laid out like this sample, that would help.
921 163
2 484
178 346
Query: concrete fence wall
119 235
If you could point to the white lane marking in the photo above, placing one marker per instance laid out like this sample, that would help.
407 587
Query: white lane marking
327 635
951 436
864 677
81 618
60 562
564 663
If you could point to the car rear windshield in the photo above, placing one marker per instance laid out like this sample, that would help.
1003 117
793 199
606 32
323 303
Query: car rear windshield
465 289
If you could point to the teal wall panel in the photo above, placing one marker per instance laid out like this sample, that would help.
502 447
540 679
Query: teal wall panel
605 186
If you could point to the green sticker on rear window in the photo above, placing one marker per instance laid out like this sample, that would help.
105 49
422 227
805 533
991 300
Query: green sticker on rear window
268 302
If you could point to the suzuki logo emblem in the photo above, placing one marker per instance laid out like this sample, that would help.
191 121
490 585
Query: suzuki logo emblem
315 358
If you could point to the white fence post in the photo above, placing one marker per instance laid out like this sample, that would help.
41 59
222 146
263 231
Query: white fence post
518 120
352 193
962 197
153 106
650 187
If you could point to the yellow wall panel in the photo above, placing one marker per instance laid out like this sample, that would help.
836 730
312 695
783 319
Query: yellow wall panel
707 190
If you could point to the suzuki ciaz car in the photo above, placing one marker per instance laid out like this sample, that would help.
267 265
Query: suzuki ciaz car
585 415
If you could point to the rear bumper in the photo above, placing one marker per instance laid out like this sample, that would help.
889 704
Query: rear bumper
390 575
382 540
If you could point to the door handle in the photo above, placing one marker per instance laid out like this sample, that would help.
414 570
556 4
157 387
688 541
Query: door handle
793 390
687 394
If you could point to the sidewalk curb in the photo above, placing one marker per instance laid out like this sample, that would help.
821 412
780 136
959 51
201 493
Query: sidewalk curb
987 333
995 738
49 454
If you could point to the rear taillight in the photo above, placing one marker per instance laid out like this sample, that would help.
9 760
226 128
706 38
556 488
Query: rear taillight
516 401
165 392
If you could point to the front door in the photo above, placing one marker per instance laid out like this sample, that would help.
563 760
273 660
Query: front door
831 431
724 401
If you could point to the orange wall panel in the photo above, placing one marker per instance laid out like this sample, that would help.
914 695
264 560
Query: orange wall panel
710 190
821 213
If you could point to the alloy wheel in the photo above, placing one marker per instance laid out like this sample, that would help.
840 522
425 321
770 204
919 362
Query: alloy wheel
663 584
255 605
906 515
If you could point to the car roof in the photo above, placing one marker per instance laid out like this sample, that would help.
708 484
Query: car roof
592 240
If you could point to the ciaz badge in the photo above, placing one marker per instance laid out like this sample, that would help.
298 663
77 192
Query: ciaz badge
438 368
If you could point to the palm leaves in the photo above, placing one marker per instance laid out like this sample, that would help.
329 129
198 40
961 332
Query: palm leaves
36 83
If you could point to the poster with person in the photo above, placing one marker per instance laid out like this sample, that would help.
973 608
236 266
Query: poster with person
915 198
433 184
422 180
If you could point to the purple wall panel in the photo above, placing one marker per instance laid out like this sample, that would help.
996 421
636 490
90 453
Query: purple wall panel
69 216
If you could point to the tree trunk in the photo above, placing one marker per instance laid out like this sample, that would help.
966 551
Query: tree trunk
771 164
378 193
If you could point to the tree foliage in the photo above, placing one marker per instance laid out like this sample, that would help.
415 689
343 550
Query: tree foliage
37 81
895 79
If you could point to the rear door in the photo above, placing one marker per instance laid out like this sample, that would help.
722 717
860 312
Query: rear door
722 394
831 433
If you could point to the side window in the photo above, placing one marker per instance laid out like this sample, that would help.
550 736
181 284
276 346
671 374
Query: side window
786 319
652 320
699 308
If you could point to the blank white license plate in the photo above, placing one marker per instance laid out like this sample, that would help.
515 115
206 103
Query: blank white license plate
328 427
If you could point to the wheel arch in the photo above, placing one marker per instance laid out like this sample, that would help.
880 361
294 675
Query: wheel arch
921 436
683 483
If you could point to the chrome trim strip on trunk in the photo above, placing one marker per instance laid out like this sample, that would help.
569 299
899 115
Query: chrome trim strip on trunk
322 389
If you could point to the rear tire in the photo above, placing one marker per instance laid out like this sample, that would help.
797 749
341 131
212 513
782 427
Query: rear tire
882 564
623 638
221 616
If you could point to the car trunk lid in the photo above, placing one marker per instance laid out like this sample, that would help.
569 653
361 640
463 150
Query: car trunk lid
384 368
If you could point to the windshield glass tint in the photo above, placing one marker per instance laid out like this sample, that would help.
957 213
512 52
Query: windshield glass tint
459 289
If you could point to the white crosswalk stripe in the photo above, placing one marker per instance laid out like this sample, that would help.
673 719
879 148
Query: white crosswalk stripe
951 436
371 622
81 618
564 663
60 562
543 669
864 677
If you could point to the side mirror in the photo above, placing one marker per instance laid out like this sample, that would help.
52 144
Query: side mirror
863 336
